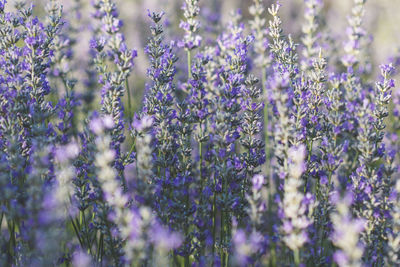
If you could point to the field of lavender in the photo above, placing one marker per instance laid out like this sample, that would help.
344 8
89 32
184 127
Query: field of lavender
213 144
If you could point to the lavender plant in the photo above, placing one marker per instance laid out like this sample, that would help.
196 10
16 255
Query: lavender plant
259 148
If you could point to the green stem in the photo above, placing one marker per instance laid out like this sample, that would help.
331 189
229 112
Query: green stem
266 121
89 244
222 225
273 256
310 145
189 63
309 151
100 249
214 222
77 232
354 163
187 262
12 242
201 176
80 219
296 257
201 155
129 100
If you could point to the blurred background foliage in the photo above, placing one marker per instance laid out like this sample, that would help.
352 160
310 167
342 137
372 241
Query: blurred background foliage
382 23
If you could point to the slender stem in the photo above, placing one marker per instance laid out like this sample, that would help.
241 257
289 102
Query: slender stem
11 229
201 177
187 262
189 63
296 257
310 146
100 249
273 256
354 164
201 155
77 232
222 223
222 236
266 121
214 221
330 178
89 244
80 218
310 151
129 100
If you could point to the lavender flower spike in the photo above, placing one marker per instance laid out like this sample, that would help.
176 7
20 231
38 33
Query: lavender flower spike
346 233
295 221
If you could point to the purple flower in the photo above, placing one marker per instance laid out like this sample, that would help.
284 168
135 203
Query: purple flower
257 181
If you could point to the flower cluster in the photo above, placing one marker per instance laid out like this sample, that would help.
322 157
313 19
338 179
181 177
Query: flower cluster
258 149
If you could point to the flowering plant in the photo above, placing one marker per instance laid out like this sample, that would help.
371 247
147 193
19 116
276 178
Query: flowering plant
247 147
